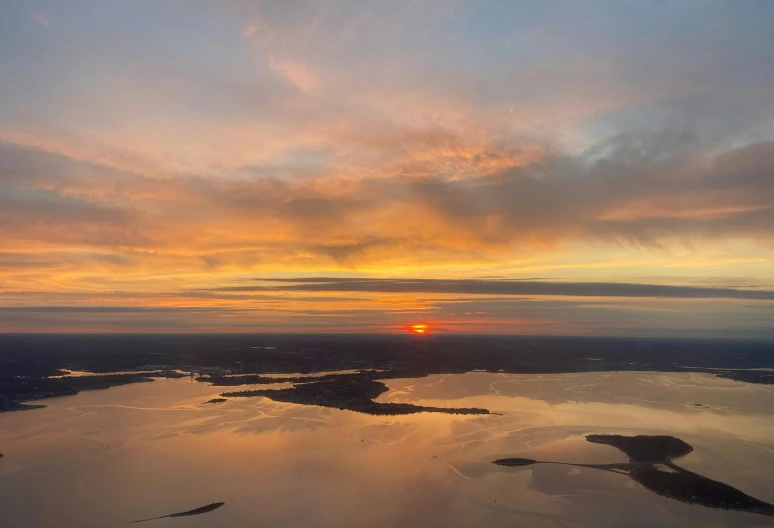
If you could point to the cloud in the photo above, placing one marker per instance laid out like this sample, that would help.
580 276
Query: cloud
42 18
501 287
298 74
460 314
106 309
249 30
646 191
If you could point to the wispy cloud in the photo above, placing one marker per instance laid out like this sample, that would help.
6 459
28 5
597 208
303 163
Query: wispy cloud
298 74
42 18
249 29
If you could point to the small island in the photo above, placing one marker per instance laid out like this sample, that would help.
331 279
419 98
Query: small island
197 511
347 392
646 453
215 400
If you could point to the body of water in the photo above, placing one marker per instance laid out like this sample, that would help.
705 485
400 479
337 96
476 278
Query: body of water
105 458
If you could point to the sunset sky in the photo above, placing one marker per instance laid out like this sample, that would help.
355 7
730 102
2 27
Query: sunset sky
575 168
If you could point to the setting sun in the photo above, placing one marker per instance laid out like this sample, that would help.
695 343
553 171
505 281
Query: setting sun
420 329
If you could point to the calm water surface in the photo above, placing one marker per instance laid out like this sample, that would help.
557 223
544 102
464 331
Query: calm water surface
104 458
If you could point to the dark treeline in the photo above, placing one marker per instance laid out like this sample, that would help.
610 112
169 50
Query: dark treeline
26 361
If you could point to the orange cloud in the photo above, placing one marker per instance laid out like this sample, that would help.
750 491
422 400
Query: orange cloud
298 74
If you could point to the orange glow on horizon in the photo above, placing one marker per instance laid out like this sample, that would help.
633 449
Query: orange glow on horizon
420 328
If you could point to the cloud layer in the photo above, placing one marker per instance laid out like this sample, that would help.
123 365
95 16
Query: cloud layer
500 287
158 151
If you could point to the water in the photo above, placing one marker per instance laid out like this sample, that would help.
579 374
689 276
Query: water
104 458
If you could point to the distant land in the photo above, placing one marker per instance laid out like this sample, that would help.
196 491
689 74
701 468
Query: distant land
28 362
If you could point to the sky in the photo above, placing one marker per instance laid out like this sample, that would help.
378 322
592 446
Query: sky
547 167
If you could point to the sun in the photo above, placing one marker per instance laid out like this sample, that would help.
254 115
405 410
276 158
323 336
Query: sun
419 328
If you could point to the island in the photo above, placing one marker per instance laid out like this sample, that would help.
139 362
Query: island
651 465
347 392
197 511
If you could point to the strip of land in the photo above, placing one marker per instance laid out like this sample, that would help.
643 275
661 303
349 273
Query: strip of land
19 389
31 365
348 393
646 453
198 511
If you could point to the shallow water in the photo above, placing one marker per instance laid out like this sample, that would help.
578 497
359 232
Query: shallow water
104 458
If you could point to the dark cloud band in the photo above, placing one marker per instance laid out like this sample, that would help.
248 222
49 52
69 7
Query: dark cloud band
500 287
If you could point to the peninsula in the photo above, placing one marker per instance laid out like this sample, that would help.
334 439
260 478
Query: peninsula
197 511
650 464
347 393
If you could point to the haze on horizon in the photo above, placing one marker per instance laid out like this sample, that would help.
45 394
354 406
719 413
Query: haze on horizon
589 168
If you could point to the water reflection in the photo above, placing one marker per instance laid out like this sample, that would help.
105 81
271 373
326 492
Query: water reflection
104 458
